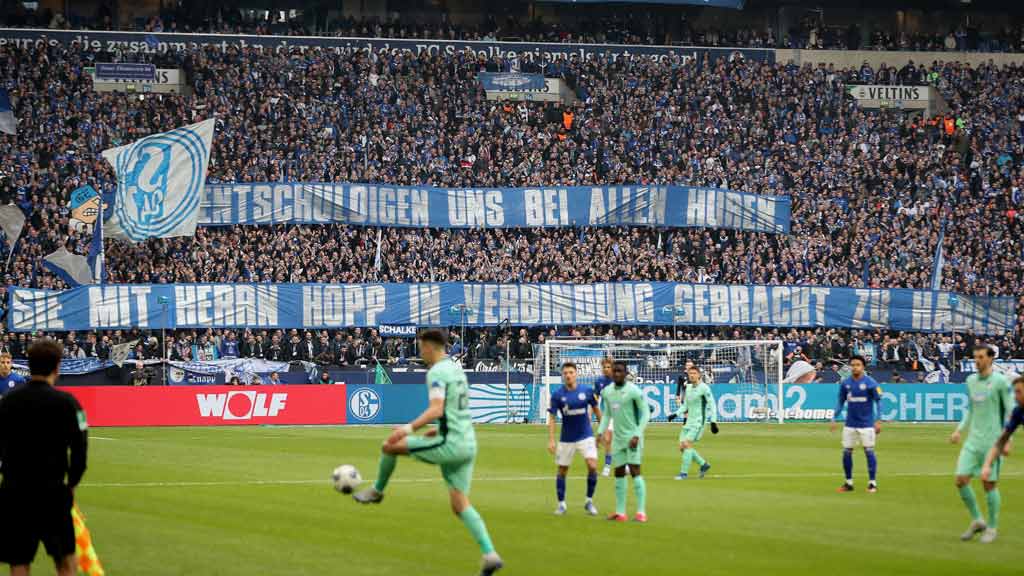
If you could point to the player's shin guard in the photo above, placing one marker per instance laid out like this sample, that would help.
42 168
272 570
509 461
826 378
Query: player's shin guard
970 501
384 470
848 464
640 490
620 494
475 524
560 487
994 501
869 453
591 483
687 460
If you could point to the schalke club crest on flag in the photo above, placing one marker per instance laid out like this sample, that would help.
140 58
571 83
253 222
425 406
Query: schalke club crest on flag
160 182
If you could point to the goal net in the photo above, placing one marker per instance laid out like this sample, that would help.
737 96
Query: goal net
745 376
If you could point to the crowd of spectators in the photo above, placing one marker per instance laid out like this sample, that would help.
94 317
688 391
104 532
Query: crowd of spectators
364 348
870 190
615 27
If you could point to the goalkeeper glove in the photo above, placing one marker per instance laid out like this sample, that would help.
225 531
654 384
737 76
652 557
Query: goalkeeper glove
714 428
672 417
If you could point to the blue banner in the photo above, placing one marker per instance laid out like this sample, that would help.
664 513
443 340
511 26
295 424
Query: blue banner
164 42
247 370
511 81
70 366
125 71
156 306
1005 365
419 206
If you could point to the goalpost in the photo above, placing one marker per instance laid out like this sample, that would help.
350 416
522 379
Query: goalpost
751 369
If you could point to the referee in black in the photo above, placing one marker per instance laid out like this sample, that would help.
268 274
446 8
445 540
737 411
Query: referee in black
43 438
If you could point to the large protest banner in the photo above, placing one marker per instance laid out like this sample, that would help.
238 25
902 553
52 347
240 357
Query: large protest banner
442 304
418 206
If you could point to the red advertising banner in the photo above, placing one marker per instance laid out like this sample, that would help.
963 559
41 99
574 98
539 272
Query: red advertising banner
211 405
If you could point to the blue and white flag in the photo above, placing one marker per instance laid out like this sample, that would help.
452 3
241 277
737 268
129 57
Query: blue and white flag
77 270
8 123
160 183
72 268
12 221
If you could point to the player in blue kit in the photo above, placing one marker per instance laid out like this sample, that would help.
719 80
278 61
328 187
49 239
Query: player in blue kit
8 380
862 396
602 381
574 403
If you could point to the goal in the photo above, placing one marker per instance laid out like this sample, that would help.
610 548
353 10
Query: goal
745 375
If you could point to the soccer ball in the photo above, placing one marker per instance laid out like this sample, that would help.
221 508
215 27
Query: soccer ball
346 478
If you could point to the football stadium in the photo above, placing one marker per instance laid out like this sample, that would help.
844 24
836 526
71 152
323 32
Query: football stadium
534 287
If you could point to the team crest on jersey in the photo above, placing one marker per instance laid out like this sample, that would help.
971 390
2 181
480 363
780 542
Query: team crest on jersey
582 396
863 386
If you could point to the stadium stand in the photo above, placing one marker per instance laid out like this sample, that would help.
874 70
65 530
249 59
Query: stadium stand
869 189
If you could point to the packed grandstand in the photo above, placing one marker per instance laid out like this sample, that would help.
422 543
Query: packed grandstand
874 192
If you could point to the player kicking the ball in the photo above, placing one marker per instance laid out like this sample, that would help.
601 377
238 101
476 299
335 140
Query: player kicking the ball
451 446
697 408
988 401
861 395
624 402
574 404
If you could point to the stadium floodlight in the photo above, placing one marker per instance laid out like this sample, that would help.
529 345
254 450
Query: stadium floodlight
753 366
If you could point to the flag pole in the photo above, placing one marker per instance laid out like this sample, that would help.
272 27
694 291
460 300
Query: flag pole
101 258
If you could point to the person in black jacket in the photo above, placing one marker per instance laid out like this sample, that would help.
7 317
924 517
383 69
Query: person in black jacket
43 442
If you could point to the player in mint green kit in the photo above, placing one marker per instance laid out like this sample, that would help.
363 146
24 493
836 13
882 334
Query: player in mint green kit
698 409
624 402
988 405
451 445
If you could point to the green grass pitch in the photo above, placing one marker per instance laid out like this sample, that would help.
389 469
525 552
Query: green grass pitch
225 501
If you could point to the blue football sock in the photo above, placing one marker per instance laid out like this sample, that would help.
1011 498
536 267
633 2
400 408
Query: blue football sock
608 459
591 484
848 464
872 463
560 487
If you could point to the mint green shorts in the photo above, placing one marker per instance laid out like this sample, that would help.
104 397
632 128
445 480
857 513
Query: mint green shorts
972 460
455 459
623 455
692 434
